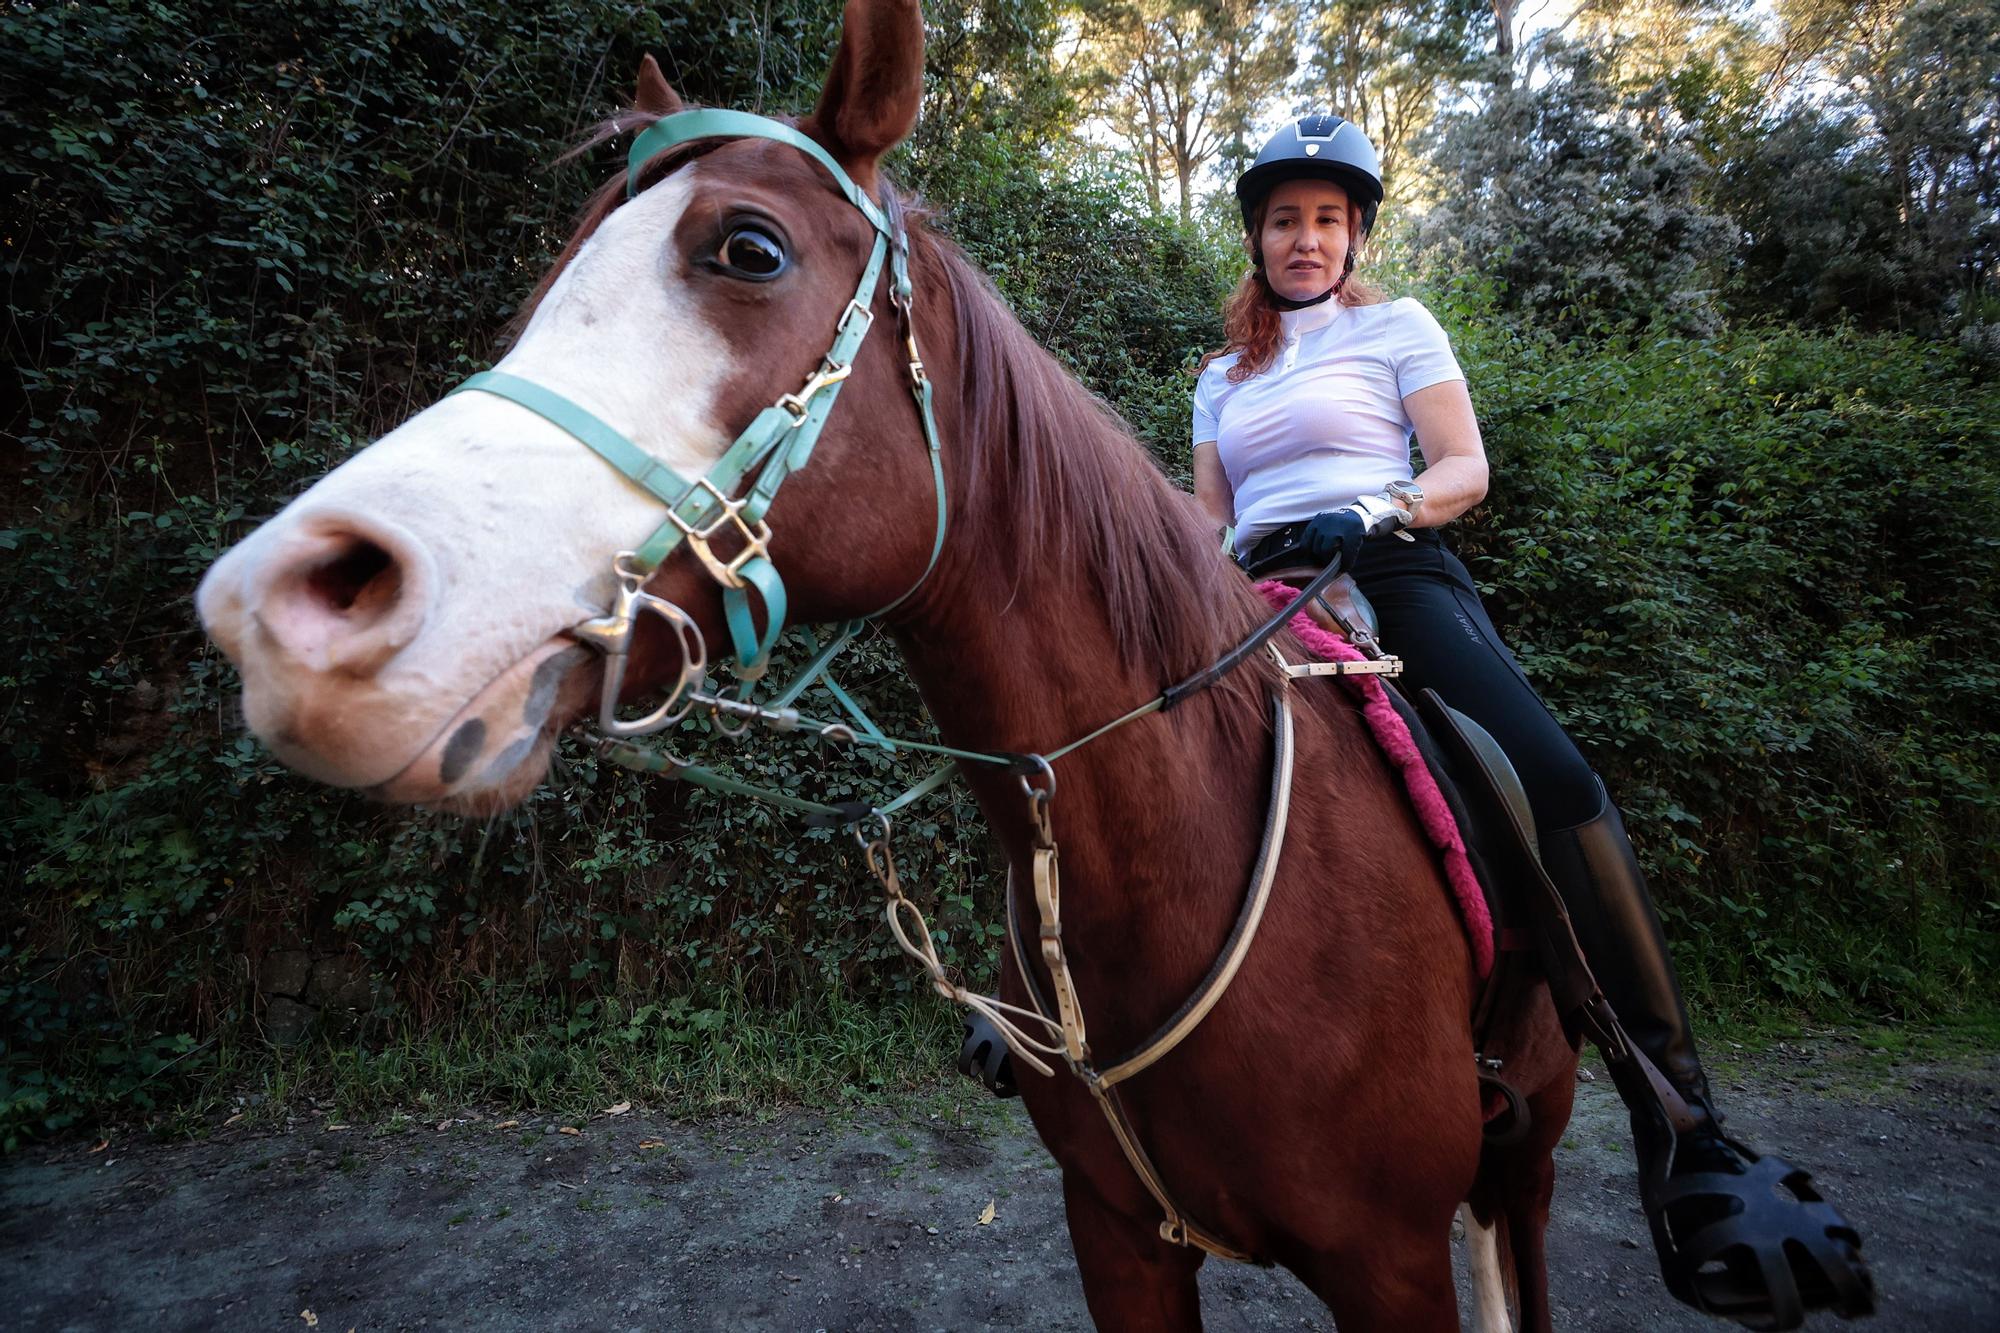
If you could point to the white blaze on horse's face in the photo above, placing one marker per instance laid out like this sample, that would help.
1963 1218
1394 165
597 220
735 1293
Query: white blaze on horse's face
400 625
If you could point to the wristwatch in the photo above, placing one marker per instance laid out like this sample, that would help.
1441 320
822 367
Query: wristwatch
1409 495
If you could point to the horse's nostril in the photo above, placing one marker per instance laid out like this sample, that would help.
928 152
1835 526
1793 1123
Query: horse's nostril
361 579
343 592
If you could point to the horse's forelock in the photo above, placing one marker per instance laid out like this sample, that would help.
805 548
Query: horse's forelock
605 199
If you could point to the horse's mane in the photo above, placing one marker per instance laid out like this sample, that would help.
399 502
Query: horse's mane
1083 489
1079 483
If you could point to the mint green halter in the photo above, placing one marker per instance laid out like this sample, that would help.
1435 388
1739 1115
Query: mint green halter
780 439
777 443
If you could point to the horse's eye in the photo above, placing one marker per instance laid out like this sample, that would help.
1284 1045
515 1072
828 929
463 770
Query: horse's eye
751 252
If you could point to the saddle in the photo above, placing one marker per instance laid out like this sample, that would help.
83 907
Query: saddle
1531 928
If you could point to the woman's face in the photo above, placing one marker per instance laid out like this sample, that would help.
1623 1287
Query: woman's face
1305 234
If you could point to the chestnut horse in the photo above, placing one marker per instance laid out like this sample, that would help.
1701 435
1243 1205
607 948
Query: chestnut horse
410 626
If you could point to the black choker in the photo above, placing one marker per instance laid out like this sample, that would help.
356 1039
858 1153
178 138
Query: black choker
1286 303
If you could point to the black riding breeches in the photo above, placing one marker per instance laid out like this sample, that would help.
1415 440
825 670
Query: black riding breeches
1430 616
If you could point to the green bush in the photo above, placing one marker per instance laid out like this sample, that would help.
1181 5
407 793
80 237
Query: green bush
1756 576
255 246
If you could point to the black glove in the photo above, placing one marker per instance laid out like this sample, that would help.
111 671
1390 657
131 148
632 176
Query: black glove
1334 538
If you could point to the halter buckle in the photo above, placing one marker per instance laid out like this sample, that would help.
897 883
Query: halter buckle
855 310
756 538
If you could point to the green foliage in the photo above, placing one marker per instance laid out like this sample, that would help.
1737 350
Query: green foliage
1820 219
1122 296
1932 90
1757 577
1879 204
1589 216
1839 166
256 246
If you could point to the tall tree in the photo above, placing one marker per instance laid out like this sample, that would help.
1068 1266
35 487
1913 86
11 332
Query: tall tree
1872 191
1557 190
1181 80
1388 68
989 67
1936 101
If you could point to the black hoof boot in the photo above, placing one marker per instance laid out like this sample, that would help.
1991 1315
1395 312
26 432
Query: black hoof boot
1739 1235
985 1056
1748 1238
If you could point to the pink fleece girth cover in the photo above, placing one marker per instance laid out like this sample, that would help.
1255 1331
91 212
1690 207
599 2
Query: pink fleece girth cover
1394 738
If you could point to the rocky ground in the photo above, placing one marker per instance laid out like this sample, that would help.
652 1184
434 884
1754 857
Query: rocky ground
944 1214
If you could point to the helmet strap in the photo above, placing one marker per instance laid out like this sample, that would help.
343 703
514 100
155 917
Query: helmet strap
1286 302
1346 272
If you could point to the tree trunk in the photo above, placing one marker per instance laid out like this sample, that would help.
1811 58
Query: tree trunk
1503 36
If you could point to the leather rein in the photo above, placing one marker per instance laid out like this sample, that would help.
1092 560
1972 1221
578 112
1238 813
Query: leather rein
779 441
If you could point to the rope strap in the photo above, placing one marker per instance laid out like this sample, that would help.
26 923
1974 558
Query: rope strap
1175 1227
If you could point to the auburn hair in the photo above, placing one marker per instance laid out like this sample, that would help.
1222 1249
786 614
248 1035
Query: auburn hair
1250 324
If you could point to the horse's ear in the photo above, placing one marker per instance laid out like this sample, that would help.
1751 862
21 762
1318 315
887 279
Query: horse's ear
655 96
872 93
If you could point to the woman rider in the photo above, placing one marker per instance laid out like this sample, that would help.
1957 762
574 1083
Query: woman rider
1301 441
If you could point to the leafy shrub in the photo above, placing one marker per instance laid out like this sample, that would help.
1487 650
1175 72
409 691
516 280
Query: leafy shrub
256 246
1588 215
1756 576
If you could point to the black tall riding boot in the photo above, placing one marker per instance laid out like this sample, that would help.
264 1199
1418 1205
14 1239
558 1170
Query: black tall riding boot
1739 1235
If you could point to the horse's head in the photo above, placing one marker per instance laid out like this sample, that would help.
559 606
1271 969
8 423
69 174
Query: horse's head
410 623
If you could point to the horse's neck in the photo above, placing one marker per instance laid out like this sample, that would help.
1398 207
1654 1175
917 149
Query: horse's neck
1156 821
1023 661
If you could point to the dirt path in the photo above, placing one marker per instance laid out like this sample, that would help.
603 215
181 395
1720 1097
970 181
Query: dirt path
861 1221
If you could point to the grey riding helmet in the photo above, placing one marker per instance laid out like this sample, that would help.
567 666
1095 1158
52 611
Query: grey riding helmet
1320 147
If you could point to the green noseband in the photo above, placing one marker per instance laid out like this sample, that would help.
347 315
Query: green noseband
776 443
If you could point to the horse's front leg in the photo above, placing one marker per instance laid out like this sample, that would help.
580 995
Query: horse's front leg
1132 1279
1398 1281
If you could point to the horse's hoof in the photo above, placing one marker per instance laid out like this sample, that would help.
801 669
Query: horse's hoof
985 1056
1748 1238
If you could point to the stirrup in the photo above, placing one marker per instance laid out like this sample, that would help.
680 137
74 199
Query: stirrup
1759 1244
985 1056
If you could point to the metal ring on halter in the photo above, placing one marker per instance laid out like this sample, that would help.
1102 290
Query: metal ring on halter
717 725
1039 795
883 840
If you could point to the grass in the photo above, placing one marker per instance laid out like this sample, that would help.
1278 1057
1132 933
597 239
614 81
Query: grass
1971 1034
1864 1055
843 1058
729 1058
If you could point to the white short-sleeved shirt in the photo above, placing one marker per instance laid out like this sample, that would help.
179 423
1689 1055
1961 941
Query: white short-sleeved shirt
1325 422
